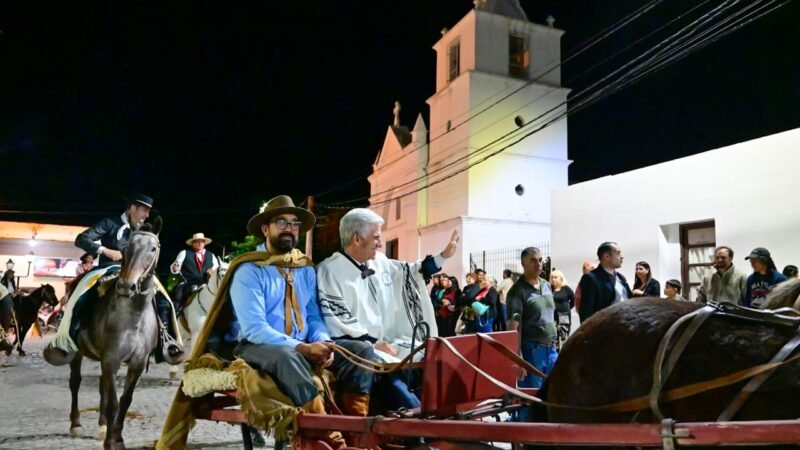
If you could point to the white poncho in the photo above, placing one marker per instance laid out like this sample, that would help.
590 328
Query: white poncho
385 305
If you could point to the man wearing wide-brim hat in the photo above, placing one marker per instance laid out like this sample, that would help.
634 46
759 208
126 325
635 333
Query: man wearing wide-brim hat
195 266
279 324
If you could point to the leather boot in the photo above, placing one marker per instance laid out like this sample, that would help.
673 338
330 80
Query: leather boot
353 404
332 438
167 348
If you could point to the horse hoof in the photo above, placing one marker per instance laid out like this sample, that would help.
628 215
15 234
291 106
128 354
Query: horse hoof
173 372
57 357
76 432
101 433
21 352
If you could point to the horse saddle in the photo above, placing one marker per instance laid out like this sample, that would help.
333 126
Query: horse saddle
788 317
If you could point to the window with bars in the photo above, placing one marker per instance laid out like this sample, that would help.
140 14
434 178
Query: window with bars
454 64
698 241
518 56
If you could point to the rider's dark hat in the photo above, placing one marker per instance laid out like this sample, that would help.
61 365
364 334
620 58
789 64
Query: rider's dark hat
141 199
281 204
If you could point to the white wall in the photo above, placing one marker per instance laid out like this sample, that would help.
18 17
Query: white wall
748 189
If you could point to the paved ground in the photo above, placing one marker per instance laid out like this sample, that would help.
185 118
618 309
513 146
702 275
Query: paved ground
36 401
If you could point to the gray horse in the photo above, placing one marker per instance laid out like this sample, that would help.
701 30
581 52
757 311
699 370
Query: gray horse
123 329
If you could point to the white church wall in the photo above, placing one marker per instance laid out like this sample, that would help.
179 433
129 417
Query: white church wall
532 103
747 189
492 187
463 33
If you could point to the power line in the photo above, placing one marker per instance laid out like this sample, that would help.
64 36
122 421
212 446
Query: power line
486 146
580 48
647 67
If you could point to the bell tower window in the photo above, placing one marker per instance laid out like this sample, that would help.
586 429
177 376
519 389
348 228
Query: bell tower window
518 56
454 61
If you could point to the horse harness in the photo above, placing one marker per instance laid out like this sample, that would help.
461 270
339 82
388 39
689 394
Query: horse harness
147 273
664 364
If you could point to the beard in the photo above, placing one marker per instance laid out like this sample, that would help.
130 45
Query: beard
284 242
135 226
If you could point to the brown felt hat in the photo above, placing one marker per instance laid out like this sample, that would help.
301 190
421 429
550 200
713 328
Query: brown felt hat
281 204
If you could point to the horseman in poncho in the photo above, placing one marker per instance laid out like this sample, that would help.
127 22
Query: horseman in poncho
368 297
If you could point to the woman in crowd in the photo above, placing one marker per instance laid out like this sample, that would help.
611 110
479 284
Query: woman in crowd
645 285
486 314
466 324
447 314
565 301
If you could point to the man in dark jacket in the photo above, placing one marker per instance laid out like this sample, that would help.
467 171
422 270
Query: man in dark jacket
603 286
113 233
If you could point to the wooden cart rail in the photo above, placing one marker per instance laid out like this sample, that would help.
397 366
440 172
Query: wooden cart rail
667 435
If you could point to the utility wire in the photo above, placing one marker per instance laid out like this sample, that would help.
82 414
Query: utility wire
580 48
536 119
654 63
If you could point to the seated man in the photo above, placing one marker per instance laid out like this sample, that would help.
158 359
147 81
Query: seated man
370 298
195 269
278 319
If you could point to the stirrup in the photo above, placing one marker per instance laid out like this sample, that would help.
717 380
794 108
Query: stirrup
168 349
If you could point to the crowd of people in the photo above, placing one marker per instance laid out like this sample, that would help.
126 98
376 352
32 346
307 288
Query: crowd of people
541 309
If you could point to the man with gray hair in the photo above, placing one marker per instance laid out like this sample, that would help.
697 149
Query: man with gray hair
366 296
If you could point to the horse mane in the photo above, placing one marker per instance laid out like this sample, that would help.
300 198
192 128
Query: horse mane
785 294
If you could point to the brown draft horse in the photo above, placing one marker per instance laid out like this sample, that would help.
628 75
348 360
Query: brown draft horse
26 310
610 359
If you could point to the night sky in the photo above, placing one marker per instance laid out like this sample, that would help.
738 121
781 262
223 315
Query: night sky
214 107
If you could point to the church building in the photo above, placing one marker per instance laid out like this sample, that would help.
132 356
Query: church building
497 79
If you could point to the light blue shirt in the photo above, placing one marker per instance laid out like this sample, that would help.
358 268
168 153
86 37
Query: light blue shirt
620 293
257 294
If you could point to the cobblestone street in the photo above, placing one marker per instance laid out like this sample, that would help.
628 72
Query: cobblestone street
36 402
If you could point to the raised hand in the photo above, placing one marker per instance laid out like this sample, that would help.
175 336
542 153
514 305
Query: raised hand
450 250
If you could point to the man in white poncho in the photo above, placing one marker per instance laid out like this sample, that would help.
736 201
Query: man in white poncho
366 296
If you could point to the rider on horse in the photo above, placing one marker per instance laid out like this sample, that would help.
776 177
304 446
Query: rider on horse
113 234
195 266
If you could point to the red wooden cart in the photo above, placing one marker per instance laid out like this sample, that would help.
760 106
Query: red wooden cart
462 387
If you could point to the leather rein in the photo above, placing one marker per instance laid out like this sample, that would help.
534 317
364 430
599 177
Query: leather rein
662 367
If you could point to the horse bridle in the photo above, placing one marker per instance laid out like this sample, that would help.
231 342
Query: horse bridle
148 272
